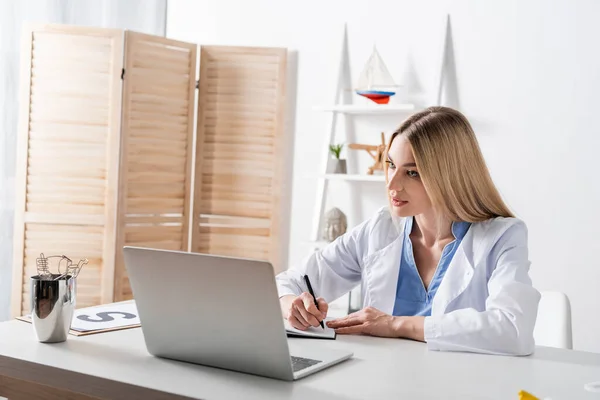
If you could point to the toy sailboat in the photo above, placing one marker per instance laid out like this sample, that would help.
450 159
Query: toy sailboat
375 81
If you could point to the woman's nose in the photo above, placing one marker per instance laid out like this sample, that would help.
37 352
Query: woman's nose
394 183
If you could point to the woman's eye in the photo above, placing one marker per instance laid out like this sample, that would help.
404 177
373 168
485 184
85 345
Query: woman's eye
412 174
390 164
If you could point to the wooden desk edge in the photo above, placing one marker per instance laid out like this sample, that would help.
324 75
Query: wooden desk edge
26 380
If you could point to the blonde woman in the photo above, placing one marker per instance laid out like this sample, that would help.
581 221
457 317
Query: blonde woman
447 262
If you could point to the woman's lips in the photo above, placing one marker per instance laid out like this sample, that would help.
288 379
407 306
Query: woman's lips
398 202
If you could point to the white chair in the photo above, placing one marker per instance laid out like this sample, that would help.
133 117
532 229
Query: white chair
553 325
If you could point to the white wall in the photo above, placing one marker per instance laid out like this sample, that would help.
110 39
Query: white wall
525 72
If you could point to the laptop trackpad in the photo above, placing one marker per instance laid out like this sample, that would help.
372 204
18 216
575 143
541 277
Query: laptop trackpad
299 363
313 352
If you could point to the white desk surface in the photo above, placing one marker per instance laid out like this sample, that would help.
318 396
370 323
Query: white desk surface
381 368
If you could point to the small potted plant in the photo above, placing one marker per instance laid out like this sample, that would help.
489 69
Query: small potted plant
338 166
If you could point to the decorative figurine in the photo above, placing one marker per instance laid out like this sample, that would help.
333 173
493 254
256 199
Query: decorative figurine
375 151
335 224
375 81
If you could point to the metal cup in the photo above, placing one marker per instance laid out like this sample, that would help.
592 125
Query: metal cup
52 306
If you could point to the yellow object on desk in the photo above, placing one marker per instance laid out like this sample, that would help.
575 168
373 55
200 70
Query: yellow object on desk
523 395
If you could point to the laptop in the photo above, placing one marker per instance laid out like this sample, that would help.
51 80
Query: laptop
221 312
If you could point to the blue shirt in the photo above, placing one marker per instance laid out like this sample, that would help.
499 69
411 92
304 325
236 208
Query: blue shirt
411 296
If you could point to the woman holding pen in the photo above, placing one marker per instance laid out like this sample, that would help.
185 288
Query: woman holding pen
446 263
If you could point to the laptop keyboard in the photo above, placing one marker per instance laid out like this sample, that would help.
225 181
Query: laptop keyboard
299 363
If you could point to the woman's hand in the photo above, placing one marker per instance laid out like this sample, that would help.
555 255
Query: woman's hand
301 312
371 321
368 321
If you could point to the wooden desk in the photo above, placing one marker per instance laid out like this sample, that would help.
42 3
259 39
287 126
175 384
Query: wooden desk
116 365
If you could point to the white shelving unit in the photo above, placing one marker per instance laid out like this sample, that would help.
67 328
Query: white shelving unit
343 107
323 182
347 109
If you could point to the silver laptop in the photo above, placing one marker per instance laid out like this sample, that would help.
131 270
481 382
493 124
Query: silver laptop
219 311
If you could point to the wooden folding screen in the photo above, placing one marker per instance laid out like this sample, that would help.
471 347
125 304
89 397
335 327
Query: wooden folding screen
105 153
238 152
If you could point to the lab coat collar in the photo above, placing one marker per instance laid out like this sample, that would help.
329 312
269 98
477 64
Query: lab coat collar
382 269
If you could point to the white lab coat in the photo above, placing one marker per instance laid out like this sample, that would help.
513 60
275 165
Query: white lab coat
485 303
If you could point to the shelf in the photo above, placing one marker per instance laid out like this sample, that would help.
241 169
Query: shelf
355 177
368 109
318 244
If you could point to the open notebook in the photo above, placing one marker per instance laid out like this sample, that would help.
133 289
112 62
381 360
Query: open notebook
311 332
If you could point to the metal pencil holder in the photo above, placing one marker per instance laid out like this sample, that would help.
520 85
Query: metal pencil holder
53 298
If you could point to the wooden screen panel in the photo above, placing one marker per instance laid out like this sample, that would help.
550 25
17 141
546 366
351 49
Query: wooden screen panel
67 153
238 167
157 148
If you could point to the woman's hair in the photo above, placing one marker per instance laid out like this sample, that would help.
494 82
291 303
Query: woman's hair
451 165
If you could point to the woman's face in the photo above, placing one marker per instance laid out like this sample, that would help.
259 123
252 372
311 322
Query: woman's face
406 190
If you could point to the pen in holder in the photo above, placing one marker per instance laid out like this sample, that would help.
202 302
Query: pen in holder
53 298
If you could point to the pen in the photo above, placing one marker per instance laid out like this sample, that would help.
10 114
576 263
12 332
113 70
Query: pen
310 290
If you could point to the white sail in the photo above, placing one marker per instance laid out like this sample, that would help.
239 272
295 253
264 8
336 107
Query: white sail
375 75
